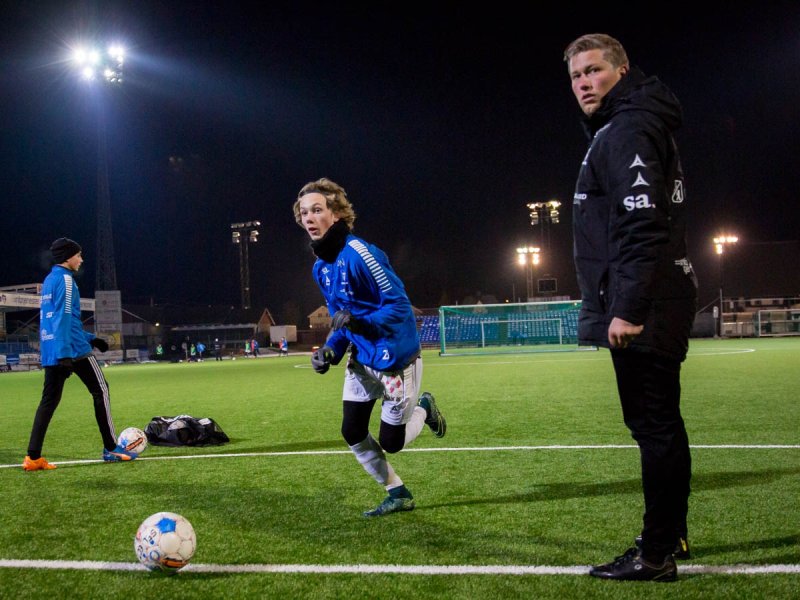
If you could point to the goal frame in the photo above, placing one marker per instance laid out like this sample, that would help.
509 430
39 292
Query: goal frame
509 328
777 322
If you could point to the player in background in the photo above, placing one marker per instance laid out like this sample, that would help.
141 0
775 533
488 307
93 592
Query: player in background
373 318
637 284
66 349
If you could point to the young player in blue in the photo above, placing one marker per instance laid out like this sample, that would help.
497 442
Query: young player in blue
373 319
66 348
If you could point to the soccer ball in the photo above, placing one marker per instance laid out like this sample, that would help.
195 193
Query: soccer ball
133 440
165 542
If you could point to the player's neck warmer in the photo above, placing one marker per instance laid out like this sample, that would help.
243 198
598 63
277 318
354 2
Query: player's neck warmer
329 245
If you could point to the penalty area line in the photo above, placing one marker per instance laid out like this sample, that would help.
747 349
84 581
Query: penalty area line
88 565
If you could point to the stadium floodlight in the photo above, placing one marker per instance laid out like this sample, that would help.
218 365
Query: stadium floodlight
720 242
242 235
527 257
544 212
94 64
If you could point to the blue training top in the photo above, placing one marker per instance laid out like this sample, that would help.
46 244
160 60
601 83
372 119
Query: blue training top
362 281
61 332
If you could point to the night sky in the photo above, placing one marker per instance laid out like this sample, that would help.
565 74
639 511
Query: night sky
441 122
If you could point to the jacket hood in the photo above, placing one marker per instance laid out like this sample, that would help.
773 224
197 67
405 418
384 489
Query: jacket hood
635 91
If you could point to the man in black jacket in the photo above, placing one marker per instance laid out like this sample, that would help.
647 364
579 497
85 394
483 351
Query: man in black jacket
637 284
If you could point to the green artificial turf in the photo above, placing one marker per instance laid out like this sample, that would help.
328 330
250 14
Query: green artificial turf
537 469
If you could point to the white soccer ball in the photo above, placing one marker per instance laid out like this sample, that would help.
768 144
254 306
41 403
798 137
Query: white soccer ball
165 542
133 440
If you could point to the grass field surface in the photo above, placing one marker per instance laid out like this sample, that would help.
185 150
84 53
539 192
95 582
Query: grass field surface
536 479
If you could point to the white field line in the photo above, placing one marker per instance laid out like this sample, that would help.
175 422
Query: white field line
88 565
541 357
454 449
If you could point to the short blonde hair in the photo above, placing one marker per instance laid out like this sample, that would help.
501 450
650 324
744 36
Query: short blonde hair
612 49
335 199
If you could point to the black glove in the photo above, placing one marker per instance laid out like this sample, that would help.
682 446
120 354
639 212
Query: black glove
99 343
343 318
65 362
321 359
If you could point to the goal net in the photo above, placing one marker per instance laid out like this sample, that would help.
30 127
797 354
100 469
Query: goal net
778 322
509 328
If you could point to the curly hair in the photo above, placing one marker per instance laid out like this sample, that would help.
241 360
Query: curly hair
336 200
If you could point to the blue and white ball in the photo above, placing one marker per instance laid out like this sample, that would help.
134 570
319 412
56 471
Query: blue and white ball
165 542
133 440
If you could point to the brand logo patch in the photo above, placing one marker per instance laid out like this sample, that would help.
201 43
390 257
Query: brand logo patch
637 162
639 201
677 192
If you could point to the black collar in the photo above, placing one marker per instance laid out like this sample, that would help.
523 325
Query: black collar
329 245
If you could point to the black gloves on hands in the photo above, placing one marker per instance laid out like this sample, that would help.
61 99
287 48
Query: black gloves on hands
99 343
343 318
321 359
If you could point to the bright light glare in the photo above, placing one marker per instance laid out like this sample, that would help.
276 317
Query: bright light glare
80 56
526 251
117 53
92 63
721 241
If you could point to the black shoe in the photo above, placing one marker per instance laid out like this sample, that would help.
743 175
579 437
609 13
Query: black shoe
632 567
435 419
681 551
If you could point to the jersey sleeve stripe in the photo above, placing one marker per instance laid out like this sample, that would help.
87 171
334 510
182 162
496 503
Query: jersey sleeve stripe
68 294
374 267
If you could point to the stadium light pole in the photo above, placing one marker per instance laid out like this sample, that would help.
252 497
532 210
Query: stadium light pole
719 247
544 213
242 235
527 257
105 68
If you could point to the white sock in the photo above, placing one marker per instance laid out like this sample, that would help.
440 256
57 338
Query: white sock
415 425
371 456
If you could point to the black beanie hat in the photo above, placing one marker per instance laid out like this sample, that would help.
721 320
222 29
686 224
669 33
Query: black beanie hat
63 249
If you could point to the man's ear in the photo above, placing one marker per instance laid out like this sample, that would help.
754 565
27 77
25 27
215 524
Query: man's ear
623 70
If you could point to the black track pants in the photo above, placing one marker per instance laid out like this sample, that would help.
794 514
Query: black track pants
91 374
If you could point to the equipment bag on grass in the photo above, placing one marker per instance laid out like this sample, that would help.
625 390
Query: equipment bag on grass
185 430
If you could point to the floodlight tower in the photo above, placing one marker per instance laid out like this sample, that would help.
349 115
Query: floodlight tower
527 257
544 214
242 235
104 68
719 247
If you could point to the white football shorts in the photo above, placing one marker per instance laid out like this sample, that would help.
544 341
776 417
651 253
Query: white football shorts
399 390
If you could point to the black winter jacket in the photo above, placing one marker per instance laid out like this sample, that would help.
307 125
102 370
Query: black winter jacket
629 221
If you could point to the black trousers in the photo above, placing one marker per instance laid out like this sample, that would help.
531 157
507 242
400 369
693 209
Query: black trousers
650 392
91 374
